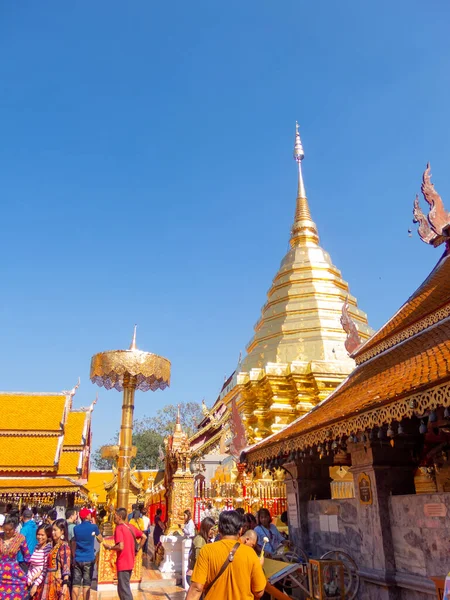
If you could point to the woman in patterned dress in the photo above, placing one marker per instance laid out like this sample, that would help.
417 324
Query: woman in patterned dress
56 582
13 581
38 562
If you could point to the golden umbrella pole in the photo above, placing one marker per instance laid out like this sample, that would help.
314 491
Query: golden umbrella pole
128 371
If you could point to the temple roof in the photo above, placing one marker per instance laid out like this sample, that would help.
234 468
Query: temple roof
74 428
39 414
301 318
409 366
416 312
69 463
28 453
39 484
40 433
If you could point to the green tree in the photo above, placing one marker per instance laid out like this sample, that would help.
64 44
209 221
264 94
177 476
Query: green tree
164 421
147 445
97 462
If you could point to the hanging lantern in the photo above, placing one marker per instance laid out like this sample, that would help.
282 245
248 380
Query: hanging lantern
380 433
390 431
447 413
432 418
423 428
400 429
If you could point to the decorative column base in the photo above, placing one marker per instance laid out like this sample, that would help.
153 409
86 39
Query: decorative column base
186 545
171 566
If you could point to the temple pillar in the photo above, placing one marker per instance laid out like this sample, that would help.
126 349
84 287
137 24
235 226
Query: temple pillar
379 471
312 483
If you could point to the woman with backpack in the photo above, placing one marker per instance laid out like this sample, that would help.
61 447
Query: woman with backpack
206 534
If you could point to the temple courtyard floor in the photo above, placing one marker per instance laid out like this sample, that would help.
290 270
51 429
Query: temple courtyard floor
162 593
153 587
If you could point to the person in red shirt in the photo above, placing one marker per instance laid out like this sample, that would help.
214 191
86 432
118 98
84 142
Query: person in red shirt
125 547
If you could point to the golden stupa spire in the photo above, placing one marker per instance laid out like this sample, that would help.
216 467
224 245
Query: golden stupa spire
304 231
133 341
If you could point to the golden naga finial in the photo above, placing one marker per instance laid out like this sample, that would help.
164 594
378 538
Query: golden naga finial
133 341
353 340
435 228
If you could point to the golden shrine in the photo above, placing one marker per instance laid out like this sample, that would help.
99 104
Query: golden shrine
102 486
45 447
179 480
296 358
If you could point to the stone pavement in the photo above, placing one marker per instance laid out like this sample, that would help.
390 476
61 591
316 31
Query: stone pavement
153 587
162 593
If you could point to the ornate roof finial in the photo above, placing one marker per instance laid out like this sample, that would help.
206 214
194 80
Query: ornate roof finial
435 228
299 155
178 423
133 341
304 229
353 340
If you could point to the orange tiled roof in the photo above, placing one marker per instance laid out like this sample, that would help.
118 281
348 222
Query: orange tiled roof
26 453
429 297
415 364
68 464
36 484
32 412
73 430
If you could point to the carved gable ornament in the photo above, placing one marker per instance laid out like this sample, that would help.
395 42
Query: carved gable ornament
434 228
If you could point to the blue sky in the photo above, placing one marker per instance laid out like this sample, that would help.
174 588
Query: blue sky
147 176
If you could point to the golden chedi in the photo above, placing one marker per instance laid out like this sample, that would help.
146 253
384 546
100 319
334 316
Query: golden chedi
297 354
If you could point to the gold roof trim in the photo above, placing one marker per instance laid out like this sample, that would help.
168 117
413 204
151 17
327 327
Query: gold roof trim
407 407
38 484
421 325
209 426
208 443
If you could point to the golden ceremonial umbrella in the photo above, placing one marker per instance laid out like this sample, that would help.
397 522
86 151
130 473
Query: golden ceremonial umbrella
128 370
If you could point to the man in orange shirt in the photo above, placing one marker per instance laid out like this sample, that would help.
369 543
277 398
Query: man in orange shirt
227 569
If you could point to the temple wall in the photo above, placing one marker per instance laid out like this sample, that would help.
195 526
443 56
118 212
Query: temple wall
420 543
333 524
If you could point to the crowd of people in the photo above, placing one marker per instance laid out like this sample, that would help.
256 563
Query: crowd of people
227 557
45 557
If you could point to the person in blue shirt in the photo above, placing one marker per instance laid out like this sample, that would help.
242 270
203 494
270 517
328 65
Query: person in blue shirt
83 542
267 530
28 530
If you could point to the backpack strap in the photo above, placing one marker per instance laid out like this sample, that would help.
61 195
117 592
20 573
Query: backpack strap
136 543
223 568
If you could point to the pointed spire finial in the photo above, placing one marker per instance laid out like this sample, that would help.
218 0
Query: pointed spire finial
133 341
304 230
178 423
299 155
